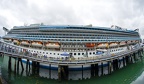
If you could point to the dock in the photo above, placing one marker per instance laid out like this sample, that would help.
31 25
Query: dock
114 62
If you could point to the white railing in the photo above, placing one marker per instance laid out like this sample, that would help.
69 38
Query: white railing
18 51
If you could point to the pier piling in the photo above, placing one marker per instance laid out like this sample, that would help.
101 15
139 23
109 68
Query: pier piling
9 64
101 68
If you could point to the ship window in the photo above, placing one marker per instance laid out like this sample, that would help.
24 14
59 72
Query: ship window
82 53
93 52
74 53
58 54
78 53
40 52
90 53
46 53
34 51
43 52
50 53
54 53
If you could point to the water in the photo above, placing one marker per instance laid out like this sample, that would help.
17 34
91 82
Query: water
131 74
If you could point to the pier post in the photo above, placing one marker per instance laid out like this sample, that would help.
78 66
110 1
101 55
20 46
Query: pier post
38 66
116 62
21 64
18 65
96 69
15 65
27 64
101 68
9 64
92 70
123 61
141 55
82 71
108 67
127 60
119 63
50 71
134 55
33 67
131 61
59 72
114 65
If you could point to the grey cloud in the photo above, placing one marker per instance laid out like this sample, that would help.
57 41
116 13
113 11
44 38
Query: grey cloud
125 13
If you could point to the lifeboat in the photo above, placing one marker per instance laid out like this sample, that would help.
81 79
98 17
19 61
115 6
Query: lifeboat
129 42
15 41
122 43
102 45
37 44
136 41
52 45
133 41
25 43
90 44
113 44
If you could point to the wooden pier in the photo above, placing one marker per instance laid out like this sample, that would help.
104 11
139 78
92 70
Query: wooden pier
113 62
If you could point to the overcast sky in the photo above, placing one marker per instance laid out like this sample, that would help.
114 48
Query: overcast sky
124 13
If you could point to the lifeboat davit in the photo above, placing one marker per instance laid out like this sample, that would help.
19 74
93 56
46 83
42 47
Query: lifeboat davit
122 43
52 45
113 44
90 44
25 43
102 45
37 44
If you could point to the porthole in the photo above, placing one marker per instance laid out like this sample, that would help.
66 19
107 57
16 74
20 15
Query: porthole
78 53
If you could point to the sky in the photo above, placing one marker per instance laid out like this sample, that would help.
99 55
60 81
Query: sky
124 13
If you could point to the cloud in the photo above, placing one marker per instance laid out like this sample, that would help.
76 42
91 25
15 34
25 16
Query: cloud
125 13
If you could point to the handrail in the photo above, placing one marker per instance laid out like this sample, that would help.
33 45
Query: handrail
18 51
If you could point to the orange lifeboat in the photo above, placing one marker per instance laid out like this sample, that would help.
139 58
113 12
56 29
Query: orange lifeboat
102 45
122 43
113 44
53 45
25 43
90 44
37 43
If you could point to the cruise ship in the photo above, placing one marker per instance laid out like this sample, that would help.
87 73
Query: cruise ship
72 42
